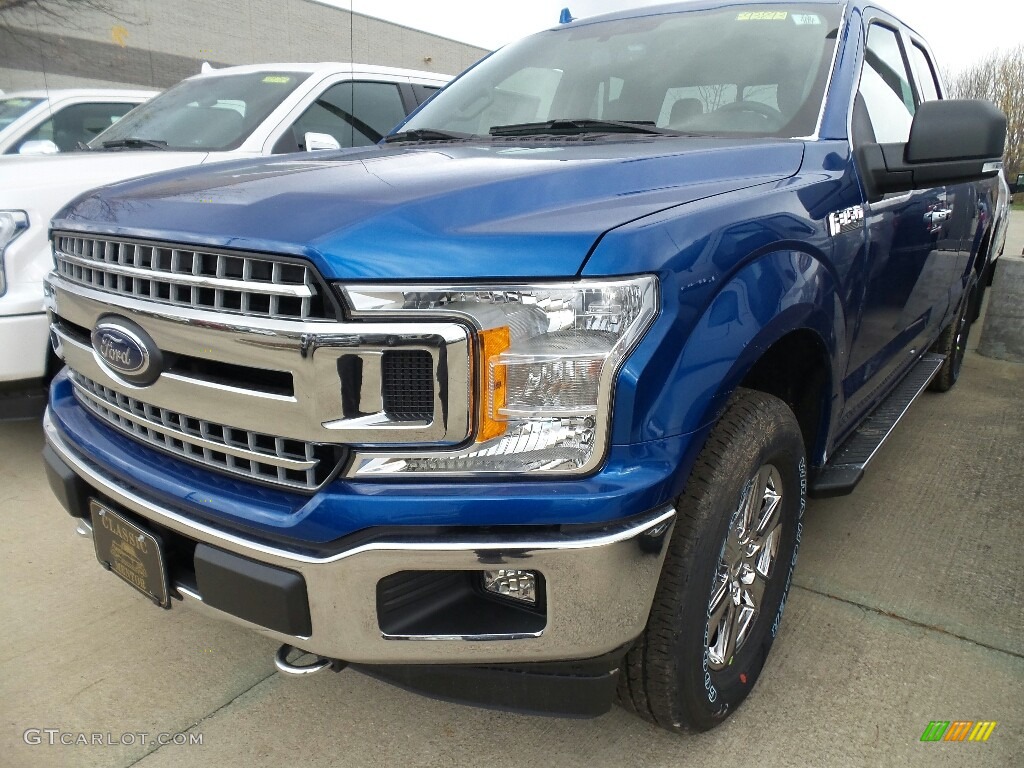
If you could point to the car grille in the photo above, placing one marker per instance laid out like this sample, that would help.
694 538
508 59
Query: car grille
251 285
407 385
253 455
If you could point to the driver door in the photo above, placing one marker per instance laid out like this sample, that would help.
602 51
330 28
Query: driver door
909 264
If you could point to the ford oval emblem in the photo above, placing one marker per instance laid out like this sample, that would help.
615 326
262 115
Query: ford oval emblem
126 350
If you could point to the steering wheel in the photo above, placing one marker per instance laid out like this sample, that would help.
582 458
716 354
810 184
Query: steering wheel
757 107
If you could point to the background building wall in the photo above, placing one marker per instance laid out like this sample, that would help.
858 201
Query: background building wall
67 43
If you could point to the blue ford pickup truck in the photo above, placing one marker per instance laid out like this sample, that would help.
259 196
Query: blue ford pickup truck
522 406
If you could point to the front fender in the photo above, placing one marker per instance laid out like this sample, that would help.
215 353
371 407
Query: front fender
683 390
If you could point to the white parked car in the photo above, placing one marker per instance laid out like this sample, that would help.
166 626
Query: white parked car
217 115
47 122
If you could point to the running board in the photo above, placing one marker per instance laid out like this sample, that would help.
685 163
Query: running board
846 467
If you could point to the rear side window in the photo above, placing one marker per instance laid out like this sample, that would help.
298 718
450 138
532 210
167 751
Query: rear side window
74 124
355 114
885 87
924 73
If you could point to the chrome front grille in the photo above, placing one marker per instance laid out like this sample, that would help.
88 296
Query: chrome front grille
253 455
277 399
244 284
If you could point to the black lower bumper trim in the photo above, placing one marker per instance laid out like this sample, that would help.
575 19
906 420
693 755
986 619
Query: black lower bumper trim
262 594
564 689
26 401
71 490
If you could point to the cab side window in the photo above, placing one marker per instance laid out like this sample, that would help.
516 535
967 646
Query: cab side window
355 114
885 105
424 92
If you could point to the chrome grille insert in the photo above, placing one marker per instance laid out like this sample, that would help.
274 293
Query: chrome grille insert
252 285
253 455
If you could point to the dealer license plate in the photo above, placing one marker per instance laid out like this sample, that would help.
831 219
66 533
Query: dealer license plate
133 553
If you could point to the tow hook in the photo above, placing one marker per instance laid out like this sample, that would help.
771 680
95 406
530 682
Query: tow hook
319 664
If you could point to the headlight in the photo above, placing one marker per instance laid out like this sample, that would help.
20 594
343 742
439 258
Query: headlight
12 224
546 361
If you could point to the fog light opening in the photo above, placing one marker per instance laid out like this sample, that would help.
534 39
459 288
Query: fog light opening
515 585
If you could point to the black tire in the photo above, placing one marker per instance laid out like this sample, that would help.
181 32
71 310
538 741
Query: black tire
668 677
952 343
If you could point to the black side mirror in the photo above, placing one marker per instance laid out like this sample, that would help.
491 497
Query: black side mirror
950 142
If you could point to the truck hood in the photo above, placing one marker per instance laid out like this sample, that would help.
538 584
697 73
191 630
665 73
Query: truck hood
77 172
456 211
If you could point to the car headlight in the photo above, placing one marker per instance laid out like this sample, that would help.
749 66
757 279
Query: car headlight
546 359
12 224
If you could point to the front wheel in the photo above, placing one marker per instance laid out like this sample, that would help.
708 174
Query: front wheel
727 571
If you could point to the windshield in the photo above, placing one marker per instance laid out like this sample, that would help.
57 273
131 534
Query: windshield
12 109
755 70
213 113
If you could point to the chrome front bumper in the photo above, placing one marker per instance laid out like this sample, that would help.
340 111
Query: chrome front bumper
600 585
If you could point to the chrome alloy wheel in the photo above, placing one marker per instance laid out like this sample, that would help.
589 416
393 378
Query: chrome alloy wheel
745 565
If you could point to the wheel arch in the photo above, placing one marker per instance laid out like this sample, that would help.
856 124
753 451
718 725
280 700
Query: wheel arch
777 326
797 370
983 270
790 361
983 258
780 311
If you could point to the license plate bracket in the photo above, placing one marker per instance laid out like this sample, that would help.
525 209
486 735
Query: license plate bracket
133 553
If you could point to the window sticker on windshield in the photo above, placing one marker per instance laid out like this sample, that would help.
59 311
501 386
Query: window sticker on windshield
762 16
808 19
18 102
277 79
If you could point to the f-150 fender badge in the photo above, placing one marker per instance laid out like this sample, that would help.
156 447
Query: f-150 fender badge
126 350
846 220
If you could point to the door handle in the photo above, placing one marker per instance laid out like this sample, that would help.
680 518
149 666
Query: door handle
933 220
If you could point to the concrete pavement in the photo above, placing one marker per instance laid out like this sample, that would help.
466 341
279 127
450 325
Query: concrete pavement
1015 233
1002 334
906 609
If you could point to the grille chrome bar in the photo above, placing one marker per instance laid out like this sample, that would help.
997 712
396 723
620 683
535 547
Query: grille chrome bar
254 285
240 452
200 281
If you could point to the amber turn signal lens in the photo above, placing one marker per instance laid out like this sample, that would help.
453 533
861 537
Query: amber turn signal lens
493 382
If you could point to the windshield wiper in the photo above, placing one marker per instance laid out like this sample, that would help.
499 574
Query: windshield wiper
427 134
134 143
573 127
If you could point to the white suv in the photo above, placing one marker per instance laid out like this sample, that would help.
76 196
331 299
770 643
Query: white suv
47 122
217 115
